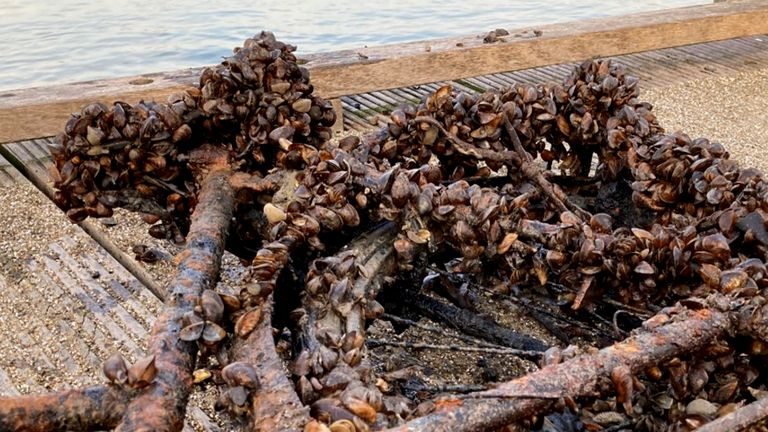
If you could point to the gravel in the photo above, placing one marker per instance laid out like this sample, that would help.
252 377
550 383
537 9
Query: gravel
732 110
65 305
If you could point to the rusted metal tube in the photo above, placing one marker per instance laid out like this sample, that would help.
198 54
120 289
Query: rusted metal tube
163 405
745 418
535 393
99 407
275 406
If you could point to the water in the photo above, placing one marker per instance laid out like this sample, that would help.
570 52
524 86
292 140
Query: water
48 42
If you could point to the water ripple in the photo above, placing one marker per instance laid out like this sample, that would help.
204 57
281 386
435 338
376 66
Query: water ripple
57 41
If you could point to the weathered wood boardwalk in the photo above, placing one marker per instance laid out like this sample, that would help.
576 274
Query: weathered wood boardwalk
654 68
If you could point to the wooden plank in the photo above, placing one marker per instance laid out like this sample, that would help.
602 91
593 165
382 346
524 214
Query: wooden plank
125 297
749 51
408 64
99 314
338 126
698 59
8 174
7 387
36 170
64 310
126 279
31 113
67 307
46 116
387 98
81 275
201 418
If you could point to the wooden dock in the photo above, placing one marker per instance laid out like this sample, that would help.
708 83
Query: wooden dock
116 308
655 69
40 112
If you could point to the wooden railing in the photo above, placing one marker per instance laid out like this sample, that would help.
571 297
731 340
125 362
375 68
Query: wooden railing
42 111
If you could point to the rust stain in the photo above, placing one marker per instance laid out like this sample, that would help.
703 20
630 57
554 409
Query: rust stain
448 404
99 407
162 406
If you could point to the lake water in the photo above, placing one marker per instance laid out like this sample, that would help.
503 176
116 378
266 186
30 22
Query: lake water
58 41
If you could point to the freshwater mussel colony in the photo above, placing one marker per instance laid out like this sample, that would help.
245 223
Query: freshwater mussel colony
660 218
257 103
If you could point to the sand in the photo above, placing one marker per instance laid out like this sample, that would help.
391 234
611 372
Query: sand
732 110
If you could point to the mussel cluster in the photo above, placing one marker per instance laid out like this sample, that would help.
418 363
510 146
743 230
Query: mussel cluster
704 230
595 111
393 176
695 176
257 105
687 392
460 180
261 103
131 156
